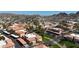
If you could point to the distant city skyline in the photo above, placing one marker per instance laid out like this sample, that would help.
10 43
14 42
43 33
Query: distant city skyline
44 13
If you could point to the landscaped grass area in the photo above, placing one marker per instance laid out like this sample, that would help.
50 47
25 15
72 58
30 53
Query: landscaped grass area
69 44
54 46
47 37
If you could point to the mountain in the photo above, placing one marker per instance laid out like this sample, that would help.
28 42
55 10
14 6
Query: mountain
10 18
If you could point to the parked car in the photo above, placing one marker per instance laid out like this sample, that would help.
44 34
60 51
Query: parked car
6 32
14 36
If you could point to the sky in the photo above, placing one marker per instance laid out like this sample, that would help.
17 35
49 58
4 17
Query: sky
44 13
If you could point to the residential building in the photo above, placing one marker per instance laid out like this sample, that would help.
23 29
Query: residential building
71 24
32 37
17 26
57 31
19 29
72 36
40 45
1 27
6 42
49 25
23 43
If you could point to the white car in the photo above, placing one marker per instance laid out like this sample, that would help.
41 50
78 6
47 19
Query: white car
14 36
6 32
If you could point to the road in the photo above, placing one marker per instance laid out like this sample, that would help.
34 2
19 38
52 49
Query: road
55 41
17 45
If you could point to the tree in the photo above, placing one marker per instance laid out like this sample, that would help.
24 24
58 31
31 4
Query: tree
76 26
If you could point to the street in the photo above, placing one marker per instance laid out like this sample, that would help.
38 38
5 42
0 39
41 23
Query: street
14 40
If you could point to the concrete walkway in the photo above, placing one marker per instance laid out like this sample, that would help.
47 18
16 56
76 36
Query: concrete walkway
53 41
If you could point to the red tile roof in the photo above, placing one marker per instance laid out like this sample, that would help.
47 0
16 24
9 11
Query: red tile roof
41 46
9 44
21 40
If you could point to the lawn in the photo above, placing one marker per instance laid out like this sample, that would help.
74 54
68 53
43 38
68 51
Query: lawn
47 37
69 44
54 46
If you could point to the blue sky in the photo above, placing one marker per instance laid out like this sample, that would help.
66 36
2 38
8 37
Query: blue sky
37 12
